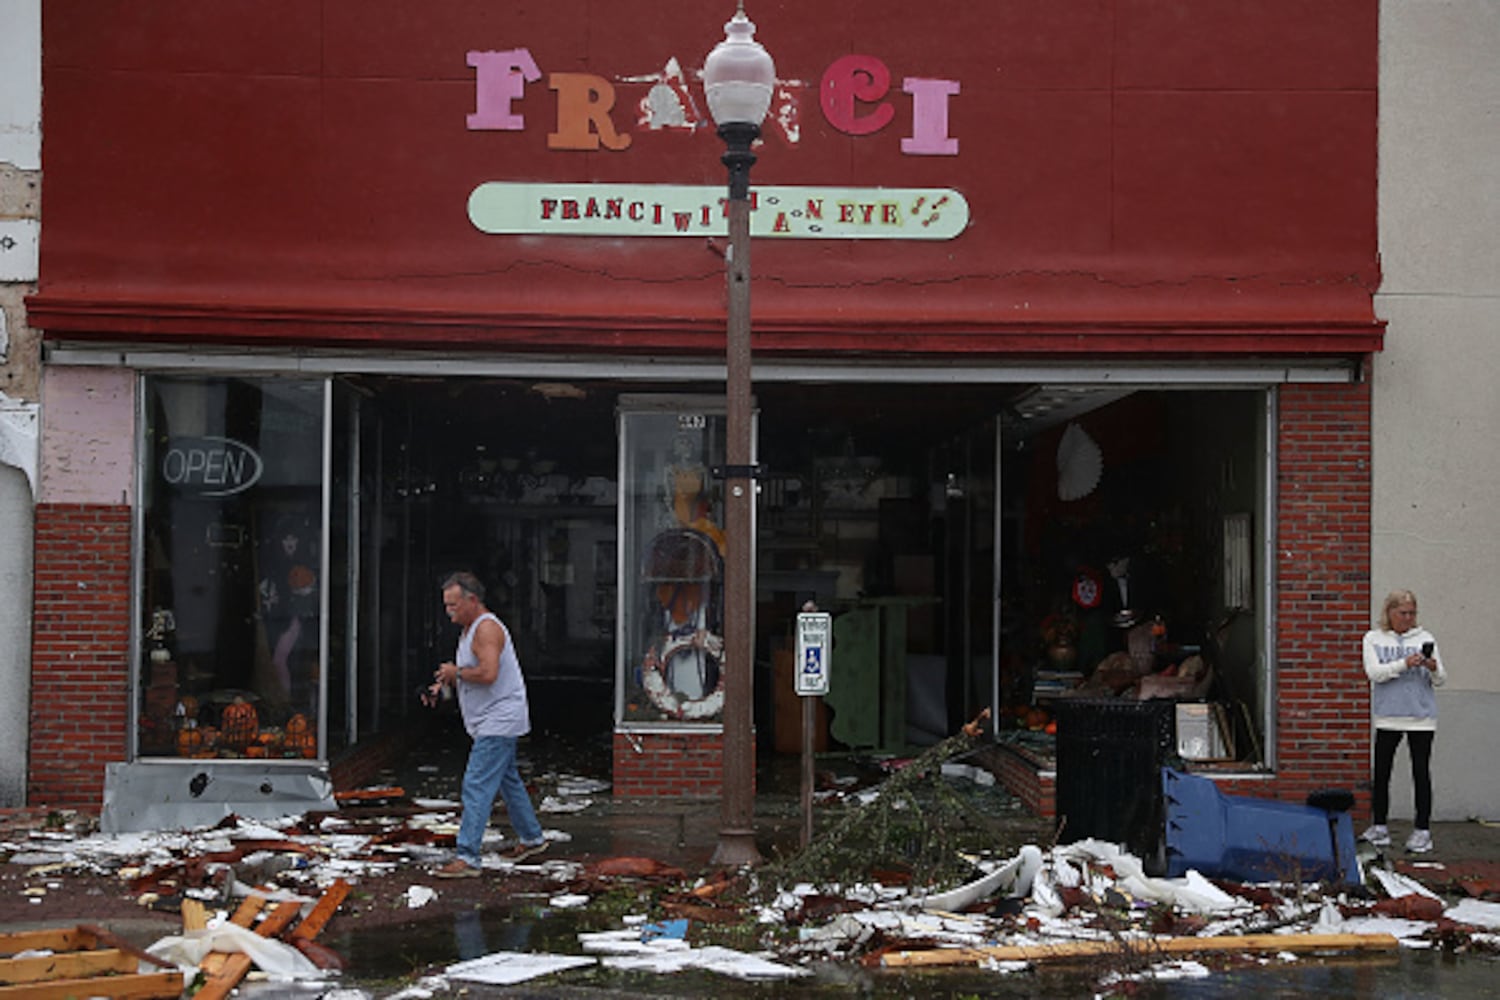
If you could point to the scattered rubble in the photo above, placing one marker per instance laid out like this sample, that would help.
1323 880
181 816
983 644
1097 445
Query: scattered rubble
877 889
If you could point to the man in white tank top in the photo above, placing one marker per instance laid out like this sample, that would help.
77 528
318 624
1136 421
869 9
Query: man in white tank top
492 698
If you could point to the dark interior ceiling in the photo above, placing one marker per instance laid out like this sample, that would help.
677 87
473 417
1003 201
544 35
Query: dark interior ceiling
574 421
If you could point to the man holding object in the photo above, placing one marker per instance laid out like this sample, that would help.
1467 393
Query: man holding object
492 699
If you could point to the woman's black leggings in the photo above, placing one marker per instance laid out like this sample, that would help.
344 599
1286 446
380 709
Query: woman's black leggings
1419 746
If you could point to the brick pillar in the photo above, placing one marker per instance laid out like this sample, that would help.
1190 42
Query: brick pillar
80 670
669 765
1323 589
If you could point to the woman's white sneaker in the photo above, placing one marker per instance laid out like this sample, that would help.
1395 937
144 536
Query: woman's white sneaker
1420 841
1377 835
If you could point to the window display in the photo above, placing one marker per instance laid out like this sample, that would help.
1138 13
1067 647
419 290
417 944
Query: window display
232 476
672 562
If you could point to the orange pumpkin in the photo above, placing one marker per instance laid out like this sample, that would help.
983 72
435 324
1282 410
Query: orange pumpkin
296 725
240 725
303 743
257 750
189 740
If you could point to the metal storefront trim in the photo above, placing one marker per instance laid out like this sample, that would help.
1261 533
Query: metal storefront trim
957 371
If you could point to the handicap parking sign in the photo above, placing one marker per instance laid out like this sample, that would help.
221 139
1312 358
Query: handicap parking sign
814 652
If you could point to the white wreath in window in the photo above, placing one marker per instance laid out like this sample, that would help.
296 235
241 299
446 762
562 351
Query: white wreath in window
657 666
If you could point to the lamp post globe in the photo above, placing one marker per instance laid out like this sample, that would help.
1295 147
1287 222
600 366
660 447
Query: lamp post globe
739 75
738 79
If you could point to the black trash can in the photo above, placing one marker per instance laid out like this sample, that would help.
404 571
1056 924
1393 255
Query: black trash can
1110 752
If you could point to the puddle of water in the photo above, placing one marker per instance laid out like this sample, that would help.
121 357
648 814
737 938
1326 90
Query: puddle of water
420 946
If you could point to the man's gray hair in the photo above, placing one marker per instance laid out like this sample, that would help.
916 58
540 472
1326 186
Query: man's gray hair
467 582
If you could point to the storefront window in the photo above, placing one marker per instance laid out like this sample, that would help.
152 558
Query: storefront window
230 660
672 563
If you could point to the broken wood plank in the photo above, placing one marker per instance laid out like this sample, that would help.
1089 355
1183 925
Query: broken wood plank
194 915
65 965
234 968
57 939
368 795
312 925
317 954
244 916
145 986
1168 946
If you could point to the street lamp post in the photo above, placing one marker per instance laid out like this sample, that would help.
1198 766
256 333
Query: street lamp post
738 78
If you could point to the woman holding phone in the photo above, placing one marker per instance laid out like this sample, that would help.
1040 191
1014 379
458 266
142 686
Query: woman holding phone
1403 664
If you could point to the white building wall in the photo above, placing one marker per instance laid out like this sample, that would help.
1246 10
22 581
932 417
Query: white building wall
1436 465
20 161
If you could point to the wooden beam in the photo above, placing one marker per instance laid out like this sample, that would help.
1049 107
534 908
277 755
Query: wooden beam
1166 946
244 916
145 986
312 925
235 966
65 965
194 915
57 939
248 908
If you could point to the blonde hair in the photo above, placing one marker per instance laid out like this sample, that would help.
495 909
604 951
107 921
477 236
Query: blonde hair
1395 598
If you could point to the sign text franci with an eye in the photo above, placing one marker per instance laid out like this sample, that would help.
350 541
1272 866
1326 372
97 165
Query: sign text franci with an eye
852 95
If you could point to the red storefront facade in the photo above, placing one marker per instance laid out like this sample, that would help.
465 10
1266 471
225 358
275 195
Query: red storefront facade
1164 212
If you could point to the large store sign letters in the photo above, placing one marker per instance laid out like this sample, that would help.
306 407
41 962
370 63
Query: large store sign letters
852 95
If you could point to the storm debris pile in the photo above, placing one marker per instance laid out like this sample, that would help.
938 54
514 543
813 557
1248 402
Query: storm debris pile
913 827
1092 901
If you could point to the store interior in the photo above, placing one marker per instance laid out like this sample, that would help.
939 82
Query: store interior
1127 523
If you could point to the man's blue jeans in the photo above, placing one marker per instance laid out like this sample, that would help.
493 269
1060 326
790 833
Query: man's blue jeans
492 770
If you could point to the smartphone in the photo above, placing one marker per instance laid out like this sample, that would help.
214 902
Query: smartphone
1426 650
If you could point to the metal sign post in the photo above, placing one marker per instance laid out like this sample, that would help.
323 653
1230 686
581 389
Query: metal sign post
814 660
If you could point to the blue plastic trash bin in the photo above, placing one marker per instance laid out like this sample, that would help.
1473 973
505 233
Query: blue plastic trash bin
1253 840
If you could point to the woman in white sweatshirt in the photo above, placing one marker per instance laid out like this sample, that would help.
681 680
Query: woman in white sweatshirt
1404 665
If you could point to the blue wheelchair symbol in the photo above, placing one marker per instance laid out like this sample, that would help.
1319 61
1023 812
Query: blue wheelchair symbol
813 665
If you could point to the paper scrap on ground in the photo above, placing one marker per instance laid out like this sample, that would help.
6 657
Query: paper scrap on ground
505 968
1397 885
555 804
1475 913
725 961
418 896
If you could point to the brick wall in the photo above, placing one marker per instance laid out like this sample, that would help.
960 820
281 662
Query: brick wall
1323 589
1024 777
680 765
80 676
